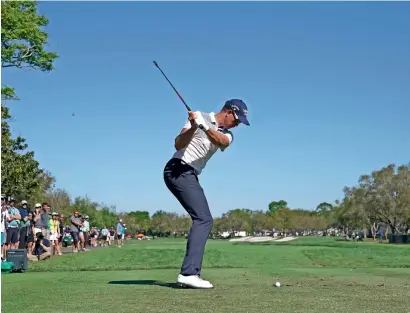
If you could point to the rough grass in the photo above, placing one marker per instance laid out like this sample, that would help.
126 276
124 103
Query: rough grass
317 274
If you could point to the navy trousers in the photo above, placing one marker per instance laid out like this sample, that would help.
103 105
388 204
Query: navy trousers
182 181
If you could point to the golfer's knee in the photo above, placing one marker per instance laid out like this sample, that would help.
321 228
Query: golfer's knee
206 221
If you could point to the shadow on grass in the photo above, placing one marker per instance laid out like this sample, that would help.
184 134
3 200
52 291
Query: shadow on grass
145 283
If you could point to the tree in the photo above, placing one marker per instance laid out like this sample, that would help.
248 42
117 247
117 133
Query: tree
22 37
139 220
324 209
381 197
238 220
276 205
160 223
22 46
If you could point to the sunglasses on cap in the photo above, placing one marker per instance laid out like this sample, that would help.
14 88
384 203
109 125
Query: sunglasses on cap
235 116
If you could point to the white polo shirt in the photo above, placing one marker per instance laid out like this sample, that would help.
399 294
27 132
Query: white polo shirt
201 149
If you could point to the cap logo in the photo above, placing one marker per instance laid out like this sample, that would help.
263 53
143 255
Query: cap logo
245 112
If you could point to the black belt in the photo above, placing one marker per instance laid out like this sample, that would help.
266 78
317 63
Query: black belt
176 161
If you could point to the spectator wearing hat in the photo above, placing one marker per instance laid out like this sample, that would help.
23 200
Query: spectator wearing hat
55 232
24 225
75 225
14 218
41 219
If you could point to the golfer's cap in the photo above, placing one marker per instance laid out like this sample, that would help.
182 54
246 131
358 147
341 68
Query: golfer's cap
38 205
24 202
240 109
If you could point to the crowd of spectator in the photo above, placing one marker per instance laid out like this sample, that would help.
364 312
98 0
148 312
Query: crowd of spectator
42 232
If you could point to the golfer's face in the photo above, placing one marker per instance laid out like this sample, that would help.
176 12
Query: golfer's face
231 120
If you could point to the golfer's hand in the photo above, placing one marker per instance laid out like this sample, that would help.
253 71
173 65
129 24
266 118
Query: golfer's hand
191 118
199 120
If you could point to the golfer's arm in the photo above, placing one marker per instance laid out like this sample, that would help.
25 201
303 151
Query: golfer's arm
218 138
184 138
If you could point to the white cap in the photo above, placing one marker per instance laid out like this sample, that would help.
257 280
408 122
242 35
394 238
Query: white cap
37 205
24 202
120 220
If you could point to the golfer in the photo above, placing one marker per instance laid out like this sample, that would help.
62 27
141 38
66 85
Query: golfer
202 135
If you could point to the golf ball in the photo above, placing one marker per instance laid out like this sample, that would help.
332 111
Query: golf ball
277 284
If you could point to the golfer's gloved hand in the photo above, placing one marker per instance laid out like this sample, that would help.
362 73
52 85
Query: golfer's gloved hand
199 120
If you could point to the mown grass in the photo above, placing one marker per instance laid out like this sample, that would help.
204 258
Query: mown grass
317 274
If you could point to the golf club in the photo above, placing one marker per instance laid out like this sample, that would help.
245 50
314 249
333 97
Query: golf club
186 105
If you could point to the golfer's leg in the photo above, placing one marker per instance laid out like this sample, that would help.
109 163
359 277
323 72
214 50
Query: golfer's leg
191 196
198 234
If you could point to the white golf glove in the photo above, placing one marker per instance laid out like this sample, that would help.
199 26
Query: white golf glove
199 120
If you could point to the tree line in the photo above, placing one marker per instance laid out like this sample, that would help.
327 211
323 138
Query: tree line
380 199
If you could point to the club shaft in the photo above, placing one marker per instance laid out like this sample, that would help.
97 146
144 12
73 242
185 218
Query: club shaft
176 91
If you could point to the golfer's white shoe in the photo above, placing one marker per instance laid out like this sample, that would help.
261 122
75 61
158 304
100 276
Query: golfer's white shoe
193 281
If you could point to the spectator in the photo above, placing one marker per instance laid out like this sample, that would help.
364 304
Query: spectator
123 232
47 210
55 233
41 249
61 226
75 224
25 224
84 232
3 225
119 233
41 219
36 215
12 234
111 236
94 236
30 234
104 234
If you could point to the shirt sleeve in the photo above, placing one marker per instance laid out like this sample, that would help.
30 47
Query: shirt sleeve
228 134
187 124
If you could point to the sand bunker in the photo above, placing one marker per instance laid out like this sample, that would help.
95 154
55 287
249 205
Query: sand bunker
261 239
286 239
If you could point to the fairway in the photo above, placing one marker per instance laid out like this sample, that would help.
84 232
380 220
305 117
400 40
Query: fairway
316 274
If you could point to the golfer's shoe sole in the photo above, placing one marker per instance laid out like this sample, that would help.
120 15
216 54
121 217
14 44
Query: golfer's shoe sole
182 285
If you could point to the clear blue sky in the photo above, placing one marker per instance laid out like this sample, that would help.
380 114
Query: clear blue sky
327 86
